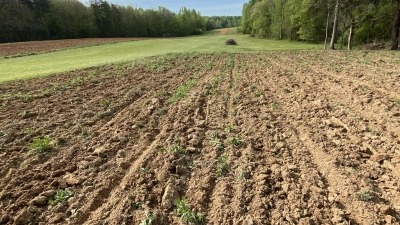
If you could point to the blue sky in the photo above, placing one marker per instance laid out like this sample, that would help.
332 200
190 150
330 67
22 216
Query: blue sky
205 7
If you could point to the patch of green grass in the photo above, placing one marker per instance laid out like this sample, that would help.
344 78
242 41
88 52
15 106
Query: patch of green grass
148 220
187 214
84 57
222 166
61 196
182 90
236 141
366 195
41 145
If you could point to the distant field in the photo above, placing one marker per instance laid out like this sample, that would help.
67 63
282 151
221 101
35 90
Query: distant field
77 58
19 49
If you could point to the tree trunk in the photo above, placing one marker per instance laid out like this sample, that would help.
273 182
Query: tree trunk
351 35
282 19
396 29
344 28
335 24
326 28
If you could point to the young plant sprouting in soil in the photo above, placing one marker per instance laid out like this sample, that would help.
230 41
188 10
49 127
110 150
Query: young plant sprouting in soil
236 141
182 90
216 142
61 196
177 148
398 102
105 103
274 105
229 128
41 145
148 220
187 214
222 166
137 205
366 195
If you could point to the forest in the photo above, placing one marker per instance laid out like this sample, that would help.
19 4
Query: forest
344 22
28 20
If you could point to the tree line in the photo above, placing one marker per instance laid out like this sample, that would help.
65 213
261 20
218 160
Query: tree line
330 21
27 20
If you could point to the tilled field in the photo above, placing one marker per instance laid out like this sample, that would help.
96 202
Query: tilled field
35 47
268 138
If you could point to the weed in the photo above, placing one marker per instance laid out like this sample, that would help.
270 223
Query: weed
2 133
137 205
41 145
229 128
242 175
187 214
177 148
24 97
274 105
104 103
182 90
214 82
148 220
366 195
216 142
60 196
398 102
145 170
222 165
236 141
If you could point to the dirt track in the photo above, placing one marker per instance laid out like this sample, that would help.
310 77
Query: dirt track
35 47
308 138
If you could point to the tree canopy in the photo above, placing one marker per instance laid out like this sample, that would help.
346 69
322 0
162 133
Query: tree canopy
308 20
26 20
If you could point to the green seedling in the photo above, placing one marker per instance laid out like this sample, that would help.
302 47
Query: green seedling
222 166
229 128
41 145
137 205
274 106
148 220
104 103
366 195
187 214
398 102
182 90
61 196
236 141
177 148
216 142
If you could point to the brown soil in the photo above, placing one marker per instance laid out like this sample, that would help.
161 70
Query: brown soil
224 31
319 138
34 47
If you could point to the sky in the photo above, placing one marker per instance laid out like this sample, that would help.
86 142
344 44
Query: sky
205 7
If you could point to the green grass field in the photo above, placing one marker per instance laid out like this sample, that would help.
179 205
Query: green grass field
71 59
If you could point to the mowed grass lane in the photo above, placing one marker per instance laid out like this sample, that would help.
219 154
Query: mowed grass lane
71 59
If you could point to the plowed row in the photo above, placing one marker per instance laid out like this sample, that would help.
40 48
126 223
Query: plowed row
307 138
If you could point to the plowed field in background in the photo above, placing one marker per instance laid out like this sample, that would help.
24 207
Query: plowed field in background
33 47
266 138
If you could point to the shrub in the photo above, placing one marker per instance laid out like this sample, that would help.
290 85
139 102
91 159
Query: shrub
230 42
